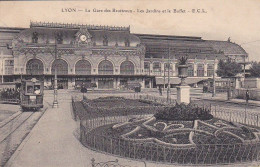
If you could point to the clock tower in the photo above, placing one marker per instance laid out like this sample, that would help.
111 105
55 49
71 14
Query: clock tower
83 37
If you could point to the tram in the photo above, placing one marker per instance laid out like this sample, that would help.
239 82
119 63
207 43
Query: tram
31 94
222 85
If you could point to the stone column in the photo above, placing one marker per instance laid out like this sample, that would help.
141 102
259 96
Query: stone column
205 69
162 69
151 68
195 69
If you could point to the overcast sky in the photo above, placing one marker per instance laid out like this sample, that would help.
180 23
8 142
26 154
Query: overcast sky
238 19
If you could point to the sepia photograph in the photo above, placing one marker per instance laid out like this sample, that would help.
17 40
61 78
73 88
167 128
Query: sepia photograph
134 83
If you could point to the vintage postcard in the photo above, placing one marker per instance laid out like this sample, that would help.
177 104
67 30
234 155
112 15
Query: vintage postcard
134 83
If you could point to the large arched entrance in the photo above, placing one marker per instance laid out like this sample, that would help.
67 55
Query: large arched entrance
82 67
105 67
127 68
34 67
62 71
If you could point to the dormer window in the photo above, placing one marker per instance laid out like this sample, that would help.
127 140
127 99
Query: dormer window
35 37
105 41
127 43
59 38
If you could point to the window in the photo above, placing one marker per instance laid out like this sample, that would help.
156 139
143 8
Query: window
127 42
191 70
167 67
127 67
105 41
35 37
157 68
146 67
61 65
59 38
200 70
210 70
9 67
34 67
105 67
83 67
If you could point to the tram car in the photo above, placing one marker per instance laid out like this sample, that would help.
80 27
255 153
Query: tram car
31 94
221 85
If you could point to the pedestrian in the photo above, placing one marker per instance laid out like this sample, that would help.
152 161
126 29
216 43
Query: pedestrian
247 96
160 90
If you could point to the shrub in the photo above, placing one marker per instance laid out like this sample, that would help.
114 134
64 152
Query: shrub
184 112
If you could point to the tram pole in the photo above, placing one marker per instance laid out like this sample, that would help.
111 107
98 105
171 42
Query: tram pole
168 86
55 101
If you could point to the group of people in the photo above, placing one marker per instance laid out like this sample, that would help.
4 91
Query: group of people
9 93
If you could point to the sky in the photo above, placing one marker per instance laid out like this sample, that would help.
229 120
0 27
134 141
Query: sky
237 19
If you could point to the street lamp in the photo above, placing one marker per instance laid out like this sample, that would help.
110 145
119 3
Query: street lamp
55 93
214 80
55 101
168 86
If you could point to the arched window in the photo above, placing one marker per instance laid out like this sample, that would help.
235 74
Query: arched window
200 70
127 68
61 65
34 67
191 70
83 67
105 67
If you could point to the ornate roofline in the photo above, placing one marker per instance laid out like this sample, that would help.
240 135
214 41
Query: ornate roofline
77 26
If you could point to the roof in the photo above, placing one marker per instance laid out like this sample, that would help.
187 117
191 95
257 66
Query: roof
48 34
176 81
229 48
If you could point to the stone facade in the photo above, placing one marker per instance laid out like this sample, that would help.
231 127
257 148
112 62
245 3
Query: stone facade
109 57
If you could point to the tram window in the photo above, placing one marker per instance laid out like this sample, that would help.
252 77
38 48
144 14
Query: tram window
37 89
29 89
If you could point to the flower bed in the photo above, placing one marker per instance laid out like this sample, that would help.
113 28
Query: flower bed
182 112
195 138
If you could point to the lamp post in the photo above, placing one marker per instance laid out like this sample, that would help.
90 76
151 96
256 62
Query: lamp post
2 67
168 86
55 101
214 81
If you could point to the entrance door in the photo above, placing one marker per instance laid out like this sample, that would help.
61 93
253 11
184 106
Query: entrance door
105 84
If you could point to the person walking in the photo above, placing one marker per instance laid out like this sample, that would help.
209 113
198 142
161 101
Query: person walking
247 96
160 90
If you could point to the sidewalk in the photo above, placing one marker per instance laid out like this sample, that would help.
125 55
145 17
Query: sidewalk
223 98
53 143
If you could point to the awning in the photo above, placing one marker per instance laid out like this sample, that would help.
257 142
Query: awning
176 81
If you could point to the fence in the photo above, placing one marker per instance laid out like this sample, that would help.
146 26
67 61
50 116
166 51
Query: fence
199 154
243 117
9 100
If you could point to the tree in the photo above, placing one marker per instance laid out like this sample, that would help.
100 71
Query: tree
228 68
255 69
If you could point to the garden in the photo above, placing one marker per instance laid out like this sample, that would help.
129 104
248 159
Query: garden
184 134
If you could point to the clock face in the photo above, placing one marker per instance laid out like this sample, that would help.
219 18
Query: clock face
83 38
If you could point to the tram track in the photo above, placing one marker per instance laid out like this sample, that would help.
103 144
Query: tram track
12 126
13 117
13 132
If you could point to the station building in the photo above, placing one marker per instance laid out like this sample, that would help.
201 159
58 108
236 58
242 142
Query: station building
109 57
